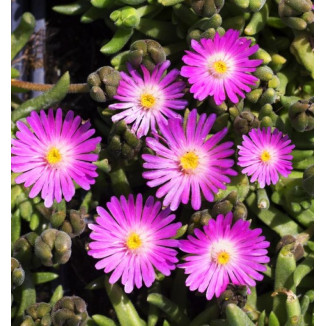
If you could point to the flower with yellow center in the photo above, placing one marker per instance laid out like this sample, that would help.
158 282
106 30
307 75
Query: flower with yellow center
133 241
147 101
53 156
189 161
265 156
220 67
222 258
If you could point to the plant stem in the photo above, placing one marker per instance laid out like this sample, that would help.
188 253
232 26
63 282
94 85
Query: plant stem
73 88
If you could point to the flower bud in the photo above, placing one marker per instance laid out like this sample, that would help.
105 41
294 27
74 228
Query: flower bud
53 247
290 243
198 219
24 250
308 180
69 311
301 115
244 122
264 73
38 314
103 84
207 8
17 273
146 52
269 96
254 95
125 17
75 224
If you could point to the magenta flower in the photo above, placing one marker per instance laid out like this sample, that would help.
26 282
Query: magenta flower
220 66
51 153
131 239
224 253
187 163
148 100
264 155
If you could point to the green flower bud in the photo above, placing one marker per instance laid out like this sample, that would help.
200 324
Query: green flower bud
103 84
254 95
53 247
256 5
38 314
198 220
236 22
244 122
69 311
278 62
269 96
308 17
207 8
24 250
261 54
230 204
295 23
125 17
243 4
284 10
17 273
299 5
308 180
301 115
146 52
75 224
266 122
274 82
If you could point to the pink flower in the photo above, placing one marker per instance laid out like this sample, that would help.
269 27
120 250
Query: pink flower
264 155
224 253
132 239
51 153
148 99
220 66
187 163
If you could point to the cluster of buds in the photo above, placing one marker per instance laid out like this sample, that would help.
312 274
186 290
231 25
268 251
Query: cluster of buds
205 28
17 274
230 203
266 89
297 14
103 84
301 115
69 311
146 52
53 247
267 116
122 142
72 223
198 220
244 122
38 314
207 8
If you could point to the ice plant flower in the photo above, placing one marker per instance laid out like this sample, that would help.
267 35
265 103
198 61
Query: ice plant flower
148 99
220 66
187 163
224 253
131 239
264 155
51 153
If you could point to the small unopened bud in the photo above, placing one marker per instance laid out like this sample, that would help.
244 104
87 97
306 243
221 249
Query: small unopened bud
39 314
264 73
244 122
69 311
198 219
146 52
125 17
53 247
24 250
17 273
207 8
301 115
308 180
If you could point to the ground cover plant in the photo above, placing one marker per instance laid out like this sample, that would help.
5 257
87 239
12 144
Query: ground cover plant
162 163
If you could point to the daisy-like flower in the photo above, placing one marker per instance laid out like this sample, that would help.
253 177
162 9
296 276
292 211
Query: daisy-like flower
220 66
132 239
150 99
264 155
51 153
187 162
224 253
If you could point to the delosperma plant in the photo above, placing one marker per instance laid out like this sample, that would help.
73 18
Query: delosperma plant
180 189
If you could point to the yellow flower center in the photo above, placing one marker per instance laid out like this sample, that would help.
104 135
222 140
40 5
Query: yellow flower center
134 241
265 156
189 161
147 101
53 156
222 258
220 67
